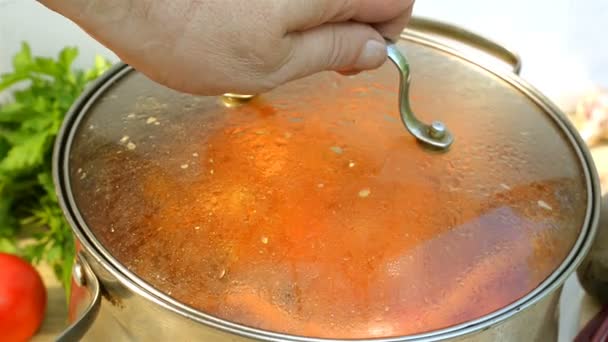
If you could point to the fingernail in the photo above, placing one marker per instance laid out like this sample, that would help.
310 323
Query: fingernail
372 55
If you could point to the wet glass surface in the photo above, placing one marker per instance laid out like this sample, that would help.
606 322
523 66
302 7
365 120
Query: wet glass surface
311 211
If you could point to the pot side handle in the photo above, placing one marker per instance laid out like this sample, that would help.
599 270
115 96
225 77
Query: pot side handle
462 40
83 276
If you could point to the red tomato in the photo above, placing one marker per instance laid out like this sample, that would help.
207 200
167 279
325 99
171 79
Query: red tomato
22 299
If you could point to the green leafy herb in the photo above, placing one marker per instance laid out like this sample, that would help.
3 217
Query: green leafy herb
43 91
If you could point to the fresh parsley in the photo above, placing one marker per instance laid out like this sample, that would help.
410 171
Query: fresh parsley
42 91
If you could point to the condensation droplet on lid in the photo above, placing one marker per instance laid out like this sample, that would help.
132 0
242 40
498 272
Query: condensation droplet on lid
131 146
195 154
337 149
364 193
544 205
320 185
157 123
351 164
222 273
83 175
151 120
91 127
124 139
197 227
505 186
184 166
79 170
131 115
265 240
211 171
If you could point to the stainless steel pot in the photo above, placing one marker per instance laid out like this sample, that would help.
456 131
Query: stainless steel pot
109 302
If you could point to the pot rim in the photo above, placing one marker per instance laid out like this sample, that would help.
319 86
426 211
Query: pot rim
130 280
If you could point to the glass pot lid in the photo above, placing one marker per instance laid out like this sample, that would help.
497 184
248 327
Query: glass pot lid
310 210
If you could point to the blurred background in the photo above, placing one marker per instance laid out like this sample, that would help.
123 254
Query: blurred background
562 43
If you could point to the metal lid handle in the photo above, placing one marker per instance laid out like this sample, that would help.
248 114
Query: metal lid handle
435 135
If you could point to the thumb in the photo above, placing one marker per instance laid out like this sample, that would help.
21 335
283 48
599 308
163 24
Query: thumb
346 47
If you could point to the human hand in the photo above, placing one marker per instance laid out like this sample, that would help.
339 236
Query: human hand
210 47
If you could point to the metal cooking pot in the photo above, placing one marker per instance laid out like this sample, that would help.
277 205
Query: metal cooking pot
497 223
